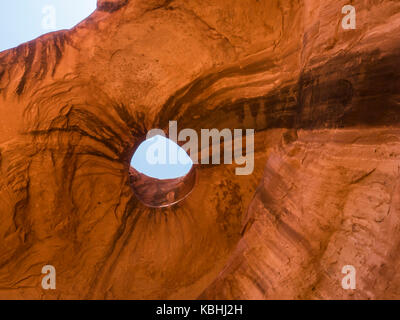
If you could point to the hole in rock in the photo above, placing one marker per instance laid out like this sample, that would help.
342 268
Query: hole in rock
25 20
161 172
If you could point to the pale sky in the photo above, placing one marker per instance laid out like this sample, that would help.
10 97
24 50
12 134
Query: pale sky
25 20
161 158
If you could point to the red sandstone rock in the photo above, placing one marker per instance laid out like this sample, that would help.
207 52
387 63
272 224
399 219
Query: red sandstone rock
159 193
324 193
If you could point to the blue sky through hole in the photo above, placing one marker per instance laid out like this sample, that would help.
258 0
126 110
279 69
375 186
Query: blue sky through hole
25 20
161 158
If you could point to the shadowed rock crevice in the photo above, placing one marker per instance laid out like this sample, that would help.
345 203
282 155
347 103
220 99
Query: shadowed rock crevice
111 6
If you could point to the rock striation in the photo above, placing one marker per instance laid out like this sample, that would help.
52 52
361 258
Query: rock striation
324 103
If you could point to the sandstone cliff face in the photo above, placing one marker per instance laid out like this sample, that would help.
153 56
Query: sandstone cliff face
324 193
327 200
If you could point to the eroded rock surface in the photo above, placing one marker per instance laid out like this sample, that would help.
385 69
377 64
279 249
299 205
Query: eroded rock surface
324 192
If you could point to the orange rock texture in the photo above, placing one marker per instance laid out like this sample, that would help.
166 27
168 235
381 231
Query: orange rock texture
325 191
